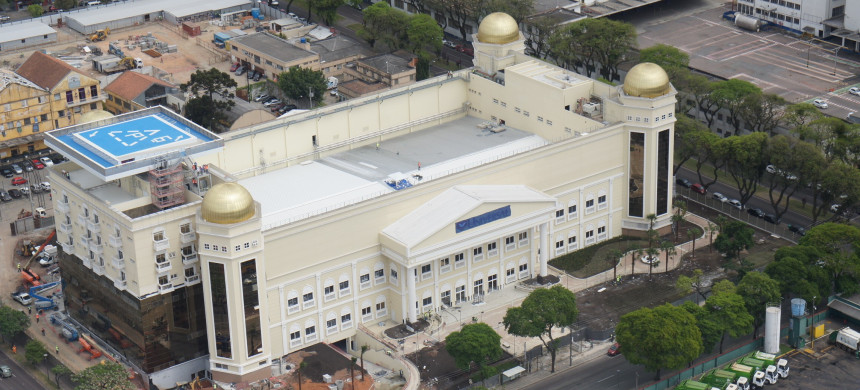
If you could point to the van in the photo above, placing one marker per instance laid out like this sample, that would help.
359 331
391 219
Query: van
92 3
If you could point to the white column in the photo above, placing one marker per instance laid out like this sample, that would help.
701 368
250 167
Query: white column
410 304
544 247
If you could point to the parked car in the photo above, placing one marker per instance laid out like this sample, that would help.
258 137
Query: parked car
854 91
736 204
277 107
22 298
272 102
17 169
7 172
46 260
465 50
258 76
250 74
4 196
820 104
720 197
288 108
37 164
699 188
15 193
834 208
614 350
35 189
261 97
771 218
234 67
28 166
5 371
240 71
683 182
755 212
46 186
24 190
4 18
801 231
449 43
18 180
46 161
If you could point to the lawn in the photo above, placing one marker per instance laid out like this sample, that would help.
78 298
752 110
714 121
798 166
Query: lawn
591 260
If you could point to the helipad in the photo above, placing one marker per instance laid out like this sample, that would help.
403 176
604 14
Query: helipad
132 142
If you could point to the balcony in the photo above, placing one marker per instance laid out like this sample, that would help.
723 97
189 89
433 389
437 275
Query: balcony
68 248
98 269
62 208
87 263
163 267
65 228
85 242
117 263
82 220
187 238
165 288
161 245
119 284
93 227
95 247
192 279
115 241
188 259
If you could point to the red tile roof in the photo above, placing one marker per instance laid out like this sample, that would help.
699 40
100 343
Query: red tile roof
44 70
130 85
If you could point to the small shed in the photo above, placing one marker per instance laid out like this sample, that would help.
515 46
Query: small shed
513 373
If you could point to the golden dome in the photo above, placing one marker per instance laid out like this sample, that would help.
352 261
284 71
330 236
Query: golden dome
647 80
227 203
498 28
94 115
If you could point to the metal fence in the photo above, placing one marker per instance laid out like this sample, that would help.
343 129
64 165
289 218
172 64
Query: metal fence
701 368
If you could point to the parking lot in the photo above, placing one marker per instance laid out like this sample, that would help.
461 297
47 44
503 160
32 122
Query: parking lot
795 69
12 203
821 366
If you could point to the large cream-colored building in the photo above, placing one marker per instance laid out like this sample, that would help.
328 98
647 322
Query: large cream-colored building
297 230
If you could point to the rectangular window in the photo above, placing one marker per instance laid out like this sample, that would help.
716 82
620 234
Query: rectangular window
524 238
310 333
220 313
427 301
329 292
601 202
364 281
524 270
491 249
510 275
571 243
559 216
381 311
308 300
251 304
379 276
510 243
601 233
635 195
459 260
345 321
478 254
344 288
663 172
366 314
392 276
94 91
445 265
426 272
571 212
292 305
295 338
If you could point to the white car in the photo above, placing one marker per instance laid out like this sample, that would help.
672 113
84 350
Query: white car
854 91
720 197
770 169
46 161
820 104
46 186
736 204
46 260
22 298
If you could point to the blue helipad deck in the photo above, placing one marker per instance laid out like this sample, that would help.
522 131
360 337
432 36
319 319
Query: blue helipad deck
132 142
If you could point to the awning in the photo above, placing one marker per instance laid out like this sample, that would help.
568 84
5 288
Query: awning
845 309
514 372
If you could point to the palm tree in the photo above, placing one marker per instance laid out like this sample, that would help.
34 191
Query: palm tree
692 234
364 349
352 370
613 256
679 216
302 366
711 229
670 250
652 255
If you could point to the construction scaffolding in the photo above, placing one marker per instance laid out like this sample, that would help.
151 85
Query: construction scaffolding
166 184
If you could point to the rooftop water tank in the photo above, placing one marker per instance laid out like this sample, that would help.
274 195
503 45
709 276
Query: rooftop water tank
798 307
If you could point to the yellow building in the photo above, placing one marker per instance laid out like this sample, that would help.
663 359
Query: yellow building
376 210
271 55
132 91
70 93
25 110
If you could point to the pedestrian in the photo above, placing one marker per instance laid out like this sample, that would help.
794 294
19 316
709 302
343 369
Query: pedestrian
419 165
37 318
19 267
57 348
43 331
377 146
14 349
29 310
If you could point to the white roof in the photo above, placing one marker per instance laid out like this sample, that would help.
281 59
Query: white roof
17 31
128 9
307 189
320 33
514 371
452 205
192 7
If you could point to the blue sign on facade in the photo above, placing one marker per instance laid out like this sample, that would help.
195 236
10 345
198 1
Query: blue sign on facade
485 218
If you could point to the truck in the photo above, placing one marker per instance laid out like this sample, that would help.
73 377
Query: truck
847 339
746 375
332 83
770 375
770 359
719 379
690 384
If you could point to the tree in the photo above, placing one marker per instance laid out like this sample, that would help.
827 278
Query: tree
298 82
838 245
795 162
799 115
543 310
686 284
364 349
724 286
210 82
422 68
477 343
692 234
12 322
669 249
35 10
109 375
731 95
711 152
301 369
733 238
730 314
687 132
59 372
199 110
352 370
762 111
758 290
518 9
65 4
326 10
35 352
665 337
459 12
590 43
709 329
711 229
671 59
652 254
541 28
679 216
375 20
423 31
618 39
745 158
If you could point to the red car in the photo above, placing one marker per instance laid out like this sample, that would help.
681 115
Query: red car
18 180
37 164
698 188
234 67
615 349
465 50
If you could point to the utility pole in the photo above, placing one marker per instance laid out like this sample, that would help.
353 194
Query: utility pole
311 98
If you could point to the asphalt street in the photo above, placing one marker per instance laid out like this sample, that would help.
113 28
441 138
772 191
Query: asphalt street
600 373
21 379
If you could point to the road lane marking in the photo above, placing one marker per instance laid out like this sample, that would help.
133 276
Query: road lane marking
606 378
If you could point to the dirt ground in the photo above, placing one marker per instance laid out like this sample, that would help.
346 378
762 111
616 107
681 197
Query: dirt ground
438 367
322 359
